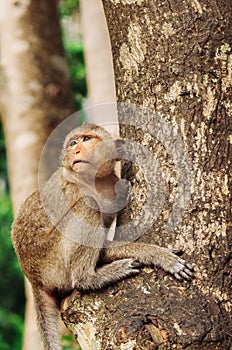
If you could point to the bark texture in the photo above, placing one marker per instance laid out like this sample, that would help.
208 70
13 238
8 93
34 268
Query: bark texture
35 97
173 62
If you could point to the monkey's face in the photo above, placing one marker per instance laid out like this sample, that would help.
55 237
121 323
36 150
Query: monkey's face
87 153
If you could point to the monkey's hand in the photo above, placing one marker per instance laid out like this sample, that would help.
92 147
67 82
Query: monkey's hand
177 266
150 254
122 189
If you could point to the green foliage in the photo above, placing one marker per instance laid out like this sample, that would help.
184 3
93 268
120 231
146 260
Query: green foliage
68 343
12 285
11 330
74 52
68 6
3 167
75 57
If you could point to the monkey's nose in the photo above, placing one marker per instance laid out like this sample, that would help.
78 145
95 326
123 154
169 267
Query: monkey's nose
77 150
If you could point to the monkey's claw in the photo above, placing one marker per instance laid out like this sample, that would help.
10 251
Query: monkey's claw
182 270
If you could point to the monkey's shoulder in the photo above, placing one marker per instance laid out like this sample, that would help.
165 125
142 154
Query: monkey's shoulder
31 216
31 206
32 232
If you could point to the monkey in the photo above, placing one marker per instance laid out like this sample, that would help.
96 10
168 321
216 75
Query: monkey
60 232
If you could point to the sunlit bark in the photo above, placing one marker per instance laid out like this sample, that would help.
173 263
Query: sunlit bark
173 62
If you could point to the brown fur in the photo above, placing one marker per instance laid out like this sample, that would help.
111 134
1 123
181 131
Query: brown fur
59 233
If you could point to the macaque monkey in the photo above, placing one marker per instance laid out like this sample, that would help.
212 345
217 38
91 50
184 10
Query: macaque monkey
60 232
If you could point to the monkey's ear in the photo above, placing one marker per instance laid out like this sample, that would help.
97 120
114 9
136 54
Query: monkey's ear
119 148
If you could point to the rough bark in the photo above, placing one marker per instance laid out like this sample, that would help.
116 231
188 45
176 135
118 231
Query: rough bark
173 61
35 97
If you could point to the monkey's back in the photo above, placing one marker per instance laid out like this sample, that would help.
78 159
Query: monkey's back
33 235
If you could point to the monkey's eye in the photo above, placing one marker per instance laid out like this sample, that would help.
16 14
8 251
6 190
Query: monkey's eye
72 143
86 138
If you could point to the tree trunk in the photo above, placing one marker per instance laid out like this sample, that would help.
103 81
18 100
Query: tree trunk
99 68
173 73
35 97
99 63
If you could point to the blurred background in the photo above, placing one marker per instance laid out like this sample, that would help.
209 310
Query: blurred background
50 52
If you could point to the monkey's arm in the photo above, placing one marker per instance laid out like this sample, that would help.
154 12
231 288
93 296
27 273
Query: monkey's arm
110 202
149 254
109 205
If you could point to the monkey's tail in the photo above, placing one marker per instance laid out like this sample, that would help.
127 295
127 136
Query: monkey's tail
47 317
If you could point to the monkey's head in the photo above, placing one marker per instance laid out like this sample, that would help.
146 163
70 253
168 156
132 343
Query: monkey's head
91 151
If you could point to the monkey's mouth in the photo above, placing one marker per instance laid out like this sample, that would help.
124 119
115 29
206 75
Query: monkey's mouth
80 161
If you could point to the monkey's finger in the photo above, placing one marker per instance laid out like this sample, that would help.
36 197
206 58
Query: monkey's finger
181 275
175 251
185 275
190 267
177 276
181 261
189 272
136 263
182 271
187 265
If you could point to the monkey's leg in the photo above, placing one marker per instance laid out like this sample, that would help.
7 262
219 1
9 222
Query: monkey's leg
47 317
110 273
149 254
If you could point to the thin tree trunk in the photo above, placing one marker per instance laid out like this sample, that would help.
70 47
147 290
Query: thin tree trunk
173 65
99 68
99 64
35 97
